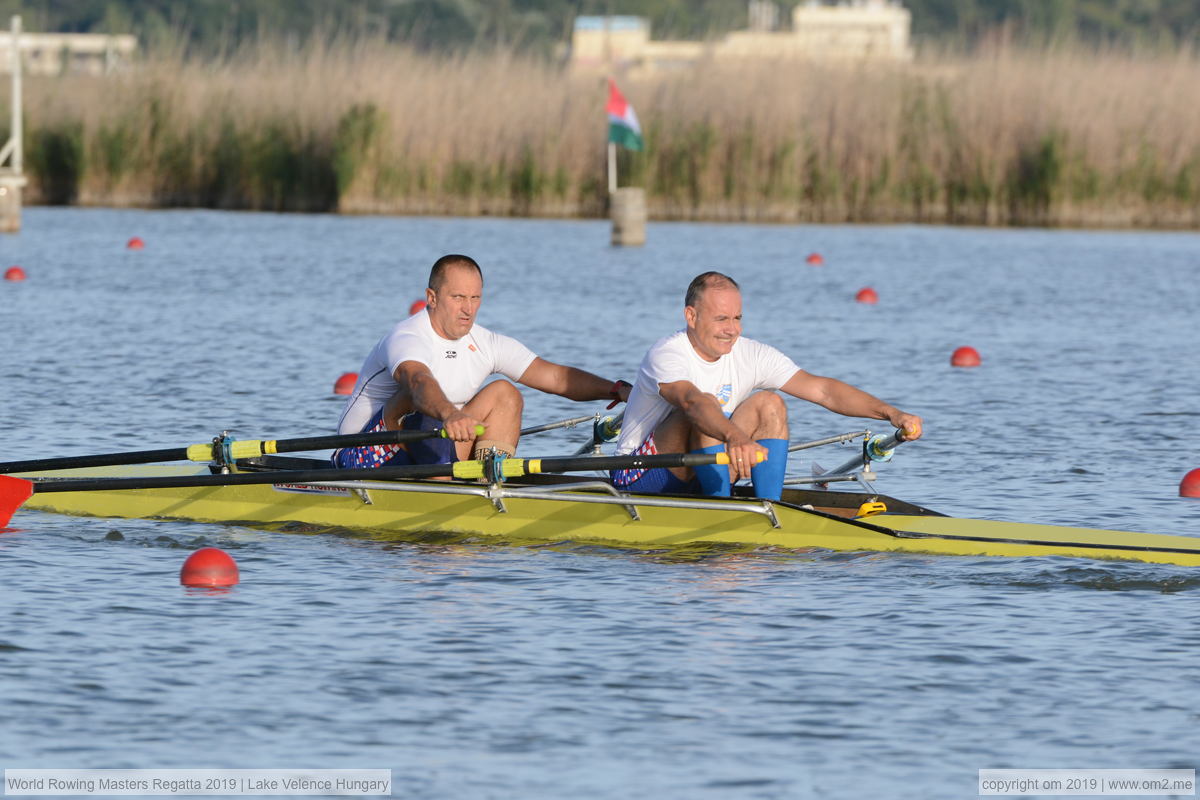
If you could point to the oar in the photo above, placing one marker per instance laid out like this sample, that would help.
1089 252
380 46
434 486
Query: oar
15 491
228 450
562 423
877 448
605 429
841 437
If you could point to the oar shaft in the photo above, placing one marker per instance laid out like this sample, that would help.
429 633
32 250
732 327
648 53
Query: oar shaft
511 467
562 423
588 463
244 448
844 437
99 460
350 440
277 477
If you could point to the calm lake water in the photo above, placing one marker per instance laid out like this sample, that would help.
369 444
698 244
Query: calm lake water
477 671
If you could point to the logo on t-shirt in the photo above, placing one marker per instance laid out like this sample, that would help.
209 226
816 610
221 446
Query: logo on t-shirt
725 393
451 354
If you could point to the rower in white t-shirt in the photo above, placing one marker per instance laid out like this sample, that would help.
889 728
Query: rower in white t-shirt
707 389
427 373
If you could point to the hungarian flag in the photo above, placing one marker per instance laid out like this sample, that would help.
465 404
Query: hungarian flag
623 128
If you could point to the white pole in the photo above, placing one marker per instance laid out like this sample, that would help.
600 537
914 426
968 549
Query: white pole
612 167
18 156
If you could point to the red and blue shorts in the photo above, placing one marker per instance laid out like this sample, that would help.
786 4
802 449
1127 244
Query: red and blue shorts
425 451
657 480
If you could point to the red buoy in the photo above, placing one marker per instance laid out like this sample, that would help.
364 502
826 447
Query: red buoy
815 259
965 357
1190 485
135 243
867 295
416 306
209 566
14 274
345 384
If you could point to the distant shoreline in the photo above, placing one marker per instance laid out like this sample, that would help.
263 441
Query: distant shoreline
1186 222
1009 138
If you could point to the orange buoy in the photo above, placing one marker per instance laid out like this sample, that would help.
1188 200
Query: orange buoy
1190 485
815 259
135 243
416 306
965 357
14 274
867 295
345 384
209 566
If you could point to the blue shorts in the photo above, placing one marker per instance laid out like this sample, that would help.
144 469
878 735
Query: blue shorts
425 451
658 480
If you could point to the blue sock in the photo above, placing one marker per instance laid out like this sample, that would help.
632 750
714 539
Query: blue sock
767 477
713 478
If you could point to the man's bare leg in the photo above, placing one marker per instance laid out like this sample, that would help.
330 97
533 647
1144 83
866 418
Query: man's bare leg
763 415
674 435
498 406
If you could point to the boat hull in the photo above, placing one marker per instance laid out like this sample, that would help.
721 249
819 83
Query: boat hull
399 509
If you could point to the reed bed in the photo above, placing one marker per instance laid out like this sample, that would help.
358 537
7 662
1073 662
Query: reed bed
1055 137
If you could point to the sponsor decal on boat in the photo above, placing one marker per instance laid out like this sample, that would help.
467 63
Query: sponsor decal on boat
308 488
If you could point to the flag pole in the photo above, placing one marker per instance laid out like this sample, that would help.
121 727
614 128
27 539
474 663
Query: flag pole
612 167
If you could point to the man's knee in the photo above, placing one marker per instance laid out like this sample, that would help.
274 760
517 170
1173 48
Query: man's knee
771 407
763 414
505 394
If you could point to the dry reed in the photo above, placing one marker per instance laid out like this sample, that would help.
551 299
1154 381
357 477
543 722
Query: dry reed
1006 137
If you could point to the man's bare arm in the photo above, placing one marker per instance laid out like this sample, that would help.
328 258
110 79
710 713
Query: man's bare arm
842 398
569 382
429 399
704 412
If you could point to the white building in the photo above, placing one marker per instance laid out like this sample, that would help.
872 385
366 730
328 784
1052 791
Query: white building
68 53
857 31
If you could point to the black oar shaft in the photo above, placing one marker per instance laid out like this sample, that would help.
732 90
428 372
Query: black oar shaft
351 440
248 448
583 463
98 460
461 469
276 477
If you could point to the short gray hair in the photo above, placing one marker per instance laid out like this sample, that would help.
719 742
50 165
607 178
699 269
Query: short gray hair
707 280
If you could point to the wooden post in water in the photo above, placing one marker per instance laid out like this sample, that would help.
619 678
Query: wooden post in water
628 216
627 207
12 156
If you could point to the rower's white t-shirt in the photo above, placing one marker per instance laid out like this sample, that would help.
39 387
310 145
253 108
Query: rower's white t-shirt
733 377
459 365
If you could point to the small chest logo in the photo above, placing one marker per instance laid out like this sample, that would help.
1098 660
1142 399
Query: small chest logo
451 354
725 393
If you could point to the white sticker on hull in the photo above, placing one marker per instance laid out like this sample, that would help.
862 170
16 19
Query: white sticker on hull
305 488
